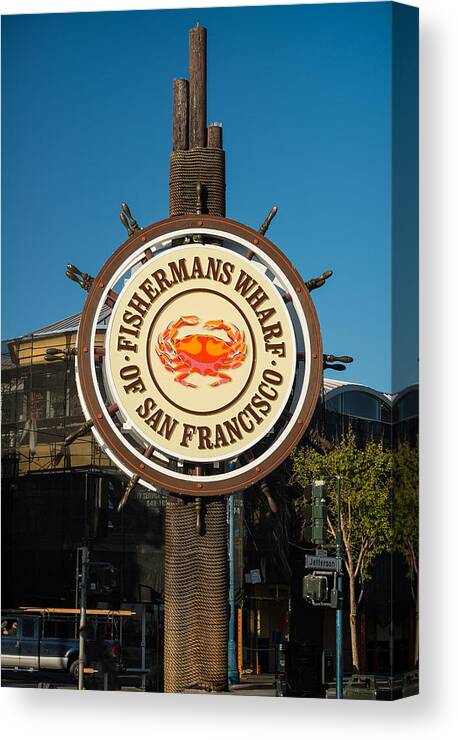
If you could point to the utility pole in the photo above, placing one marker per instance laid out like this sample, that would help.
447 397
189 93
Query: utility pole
339 610
83 622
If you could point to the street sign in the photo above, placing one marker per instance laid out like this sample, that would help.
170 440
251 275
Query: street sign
321 562
254 576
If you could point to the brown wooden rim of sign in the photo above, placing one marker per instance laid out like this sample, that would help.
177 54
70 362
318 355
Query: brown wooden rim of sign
96 412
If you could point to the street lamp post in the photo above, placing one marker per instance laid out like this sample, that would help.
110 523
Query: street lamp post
339 610
82 630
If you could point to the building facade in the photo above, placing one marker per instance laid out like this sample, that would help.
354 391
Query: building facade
54 500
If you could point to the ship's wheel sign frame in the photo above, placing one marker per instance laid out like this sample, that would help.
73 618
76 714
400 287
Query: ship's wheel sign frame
208 367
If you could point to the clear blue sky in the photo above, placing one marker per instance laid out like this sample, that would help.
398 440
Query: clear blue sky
304 94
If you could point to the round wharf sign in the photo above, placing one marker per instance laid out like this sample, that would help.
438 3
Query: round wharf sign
211 361
201 353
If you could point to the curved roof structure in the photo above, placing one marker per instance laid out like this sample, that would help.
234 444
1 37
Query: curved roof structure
336 387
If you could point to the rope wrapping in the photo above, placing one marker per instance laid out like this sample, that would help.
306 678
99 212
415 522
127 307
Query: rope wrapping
189 167
196 568
195 589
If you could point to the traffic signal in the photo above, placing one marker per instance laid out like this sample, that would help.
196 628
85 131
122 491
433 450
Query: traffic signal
315 589
103 578
317 514
102 516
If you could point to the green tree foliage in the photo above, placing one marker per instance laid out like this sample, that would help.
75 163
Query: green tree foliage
405 520
405 515
365 475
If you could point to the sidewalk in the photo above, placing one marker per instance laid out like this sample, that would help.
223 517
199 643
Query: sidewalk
255 685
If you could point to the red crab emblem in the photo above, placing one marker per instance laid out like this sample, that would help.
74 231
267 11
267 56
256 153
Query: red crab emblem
201 353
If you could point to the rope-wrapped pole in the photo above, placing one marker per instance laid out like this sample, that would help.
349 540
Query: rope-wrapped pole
195 582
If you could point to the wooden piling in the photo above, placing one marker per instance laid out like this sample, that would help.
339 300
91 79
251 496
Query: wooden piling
197 87
215 136
180 115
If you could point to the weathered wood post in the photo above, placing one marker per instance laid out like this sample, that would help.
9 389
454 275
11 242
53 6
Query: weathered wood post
180 115
197 87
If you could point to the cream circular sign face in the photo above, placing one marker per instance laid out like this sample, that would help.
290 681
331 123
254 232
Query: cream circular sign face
200 352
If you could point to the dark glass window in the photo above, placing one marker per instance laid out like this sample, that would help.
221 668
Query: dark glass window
334 403
59 630
9 628
407 406
28 627
386 412
64 629
358 403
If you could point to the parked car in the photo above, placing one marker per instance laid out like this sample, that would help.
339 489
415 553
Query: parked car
50 642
